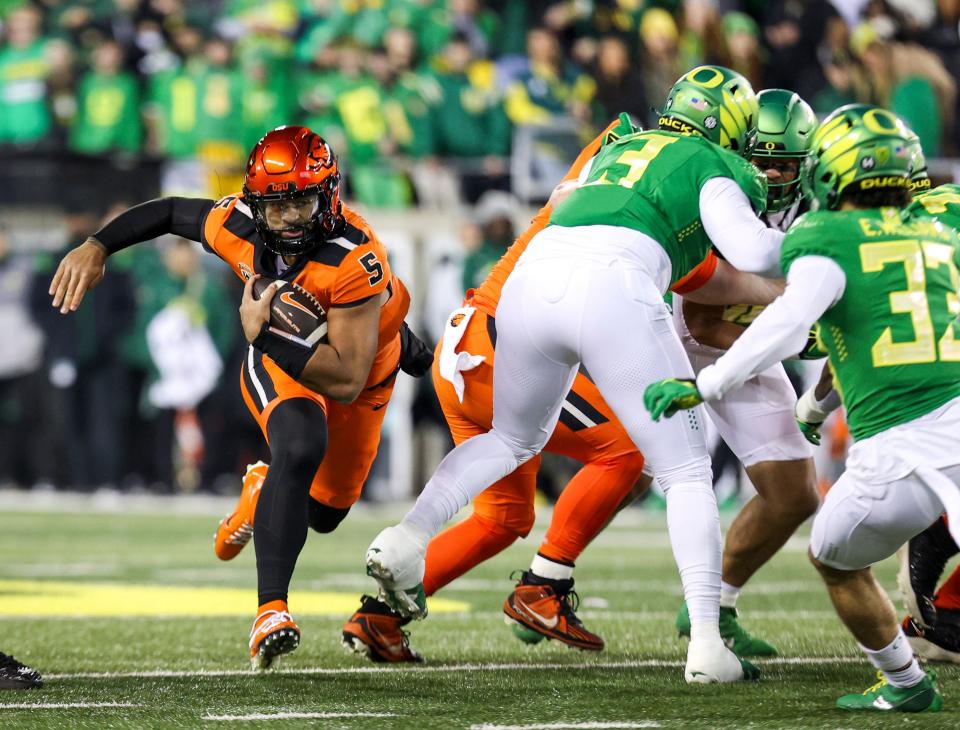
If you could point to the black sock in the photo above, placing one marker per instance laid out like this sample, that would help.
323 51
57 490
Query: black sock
298 439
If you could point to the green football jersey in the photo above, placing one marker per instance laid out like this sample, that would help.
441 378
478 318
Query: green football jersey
651 181
893 338
943 203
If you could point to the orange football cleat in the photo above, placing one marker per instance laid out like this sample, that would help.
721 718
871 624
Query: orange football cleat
374 631
274 634
236 529
547 607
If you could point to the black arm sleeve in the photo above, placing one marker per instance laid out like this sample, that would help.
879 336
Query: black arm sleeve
180 216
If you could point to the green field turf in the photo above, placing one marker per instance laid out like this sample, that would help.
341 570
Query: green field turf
187 669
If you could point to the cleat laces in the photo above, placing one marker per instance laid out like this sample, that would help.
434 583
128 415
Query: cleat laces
878 686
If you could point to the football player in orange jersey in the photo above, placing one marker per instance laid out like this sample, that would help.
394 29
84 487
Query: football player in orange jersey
543 603
320 408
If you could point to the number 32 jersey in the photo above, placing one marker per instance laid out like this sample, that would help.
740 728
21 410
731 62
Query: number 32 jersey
347 270
893 338
651 181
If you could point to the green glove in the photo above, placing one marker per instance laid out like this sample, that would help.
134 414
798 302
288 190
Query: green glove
810 431
666 397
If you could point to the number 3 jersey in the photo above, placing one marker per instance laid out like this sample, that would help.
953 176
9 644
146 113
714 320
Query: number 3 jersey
346 270
893 337
650 182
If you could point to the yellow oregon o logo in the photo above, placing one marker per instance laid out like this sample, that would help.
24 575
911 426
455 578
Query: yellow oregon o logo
880 121
715 77
770 145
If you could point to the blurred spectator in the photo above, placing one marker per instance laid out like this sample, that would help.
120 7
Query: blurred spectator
620 86
177 301
24 68
265 103
661 65
702 38
219 130
909 80
794 32
468 18
548 86
494 217
62 88
108 106
85 404
24 452
741 36
845 84
359 104
409 98
469 119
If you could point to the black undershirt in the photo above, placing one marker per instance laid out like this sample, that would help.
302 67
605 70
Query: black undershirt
182 217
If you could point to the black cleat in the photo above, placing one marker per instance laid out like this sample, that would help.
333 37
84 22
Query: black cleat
922 561
14 675
941 643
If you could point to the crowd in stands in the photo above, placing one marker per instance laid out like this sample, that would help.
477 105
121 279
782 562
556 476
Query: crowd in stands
421 99
405 88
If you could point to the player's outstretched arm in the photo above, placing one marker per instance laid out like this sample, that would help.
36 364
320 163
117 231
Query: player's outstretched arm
814 284
83 267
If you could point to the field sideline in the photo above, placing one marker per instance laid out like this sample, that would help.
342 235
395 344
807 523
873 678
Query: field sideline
123 607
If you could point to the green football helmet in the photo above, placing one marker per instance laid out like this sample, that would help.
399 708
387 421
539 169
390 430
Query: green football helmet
919 177
716 103
856 146
784 130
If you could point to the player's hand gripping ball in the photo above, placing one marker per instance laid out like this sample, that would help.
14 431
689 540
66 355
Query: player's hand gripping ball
293 310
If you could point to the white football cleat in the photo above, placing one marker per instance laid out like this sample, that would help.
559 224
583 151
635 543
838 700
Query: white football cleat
396 560
709 661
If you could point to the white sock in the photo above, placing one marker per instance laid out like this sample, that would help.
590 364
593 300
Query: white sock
465 472
892 657
546 568
728 595
694 526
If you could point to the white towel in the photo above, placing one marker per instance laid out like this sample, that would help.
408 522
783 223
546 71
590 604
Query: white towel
453 363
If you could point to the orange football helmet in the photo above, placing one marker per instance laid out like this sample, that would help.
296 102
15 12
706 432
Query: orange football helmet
293 166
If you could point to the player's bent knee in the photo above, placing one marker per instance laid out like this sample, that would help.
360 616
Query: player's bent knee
695 472
833 574
516 521
324 518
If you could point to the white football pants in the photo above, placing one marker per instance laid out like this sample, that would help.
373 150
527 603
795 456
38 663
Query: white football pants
593 304
897 483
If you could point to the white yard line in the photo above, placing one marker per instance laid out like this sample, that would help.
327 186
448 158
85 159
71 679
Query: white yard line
593 725
441 669
61 705
294 716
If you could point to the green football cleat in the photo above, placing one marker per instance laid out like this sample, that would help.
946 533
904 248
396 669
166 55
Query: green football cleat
739 641
882 697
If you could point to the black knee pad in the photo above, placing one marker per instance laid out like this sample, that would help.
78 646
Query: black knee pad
323 518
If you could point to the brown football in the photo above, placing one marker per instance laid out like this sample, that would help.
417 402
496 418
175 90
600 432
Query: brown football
295 311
